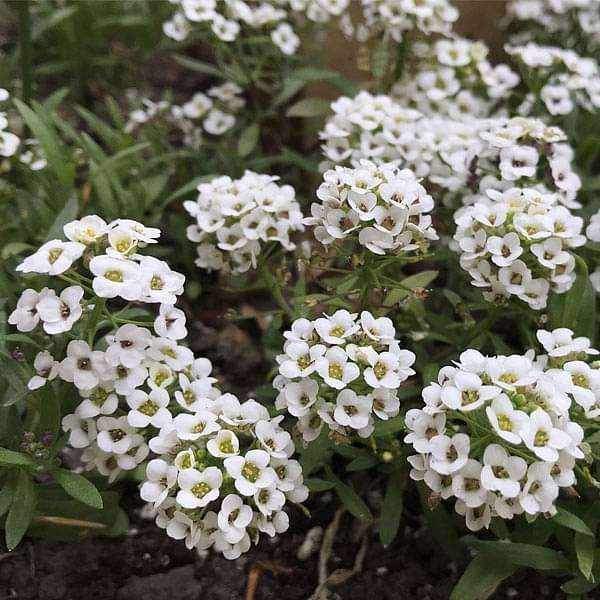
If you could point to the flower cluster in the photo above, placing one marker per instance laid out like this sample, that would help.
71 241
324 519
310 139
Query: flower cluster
224 472
518 243
580 18
385 206
111 254
341 370
381 18
212 112
30 153
464 158
107 373
228 19
565 79
233 218
452 77
500 433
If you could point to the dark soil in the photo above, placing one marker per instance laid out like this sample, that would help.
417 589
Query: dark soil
148 565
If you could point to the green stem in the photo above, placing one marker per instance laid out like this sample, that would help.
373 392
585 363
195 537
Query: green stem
25 44
274 288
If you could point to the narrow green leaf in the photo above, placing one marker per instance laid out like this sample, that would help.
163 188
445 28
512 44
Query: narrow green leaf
248 140
67 214
362 463
481 578
352 501
391 511
309 107
21 510
315 484
525 555
393 425
10 457
78 487
585 546
405 286
49 141
570 521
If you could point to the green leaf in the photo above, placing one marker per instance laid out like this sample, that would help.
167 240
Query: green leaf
317 452
570 521
408 284
524 555
248 140
315 484
78 487
481 578
393 425
12 458
197 65
21 510
585 546
309 107
352 501
6 495
54 150
576 309
362 463
391 511
67 214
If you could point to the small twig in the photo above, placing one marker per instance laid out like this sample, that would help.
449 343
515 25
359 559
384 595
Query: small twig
255 572
340 576
65 522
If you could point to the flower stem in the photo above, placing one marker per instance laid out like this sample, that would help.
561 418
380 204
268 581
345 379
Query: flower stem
273 286
25 44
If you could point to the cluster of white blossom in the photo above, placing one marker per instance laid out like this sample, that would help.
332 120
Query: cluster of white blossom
112 257
567 80
393 18
385 207
464 158
212 112
224 472
229 19
343 371
107 373
500 433
453 78
30 154
573 18
234 217
518 242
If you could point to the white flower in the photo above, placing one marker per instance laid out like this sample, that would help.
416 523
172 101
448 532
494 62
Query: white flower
54 257
170 323
336 328
160 478
192 427
128 346
82 432
540 490
168 351
149 409
272 438
224 444
299 397
468 392
542 438
379 330
423 428
285 39
198 488
335 368
100 400
46 369
299 359
59 313
158 282
82 366
233 518
467 485
352 410
25 317
251 472
506 421
115 435
115 277
86 230
502 472
449 454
